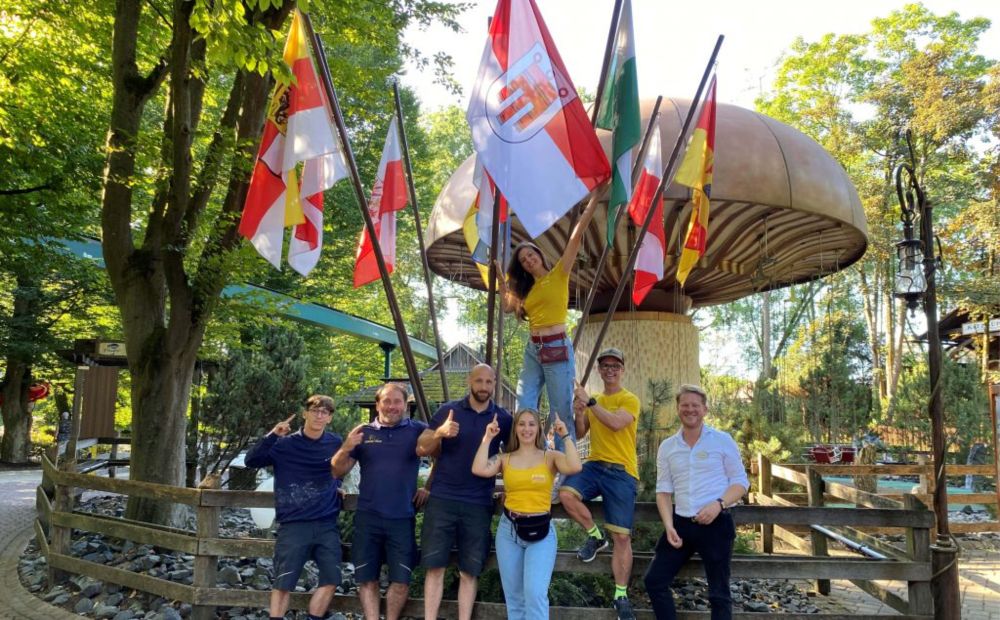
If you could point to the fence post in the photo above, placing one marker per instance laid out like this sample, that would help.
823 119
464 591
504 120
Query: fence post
206 567
113 456
764 488
60 536
918 548
819 548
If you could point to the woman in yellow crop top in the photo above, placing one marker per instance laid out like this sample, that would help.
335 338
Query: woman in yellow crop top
528 473
540 295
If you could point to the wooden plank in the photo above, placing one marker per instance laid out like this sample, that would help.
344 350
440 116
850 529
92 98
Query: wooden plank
870 541
875 517
789 474
883 594
237 547
918 546
136 531
970 528
859 497
764 489
244 499
206 565
900 470
43 543
134 488
815 489
136 581
42 504
793 539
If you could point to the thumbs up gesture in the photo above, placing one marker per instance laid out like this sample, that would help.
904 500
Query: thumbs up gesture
492 429
284 427
449 428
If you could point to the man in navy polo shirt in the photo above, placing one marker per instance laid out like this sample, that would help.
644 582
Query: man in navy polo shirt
385 518
306 504
460 507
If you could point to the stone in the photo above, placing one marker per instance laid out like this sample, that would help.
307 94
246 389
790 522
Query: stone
105 611
230 575
83 606
125 614
114 599
167 613
62 599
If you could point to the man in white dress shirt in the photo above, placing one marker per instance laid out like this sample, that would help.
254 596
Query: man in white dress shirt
699 474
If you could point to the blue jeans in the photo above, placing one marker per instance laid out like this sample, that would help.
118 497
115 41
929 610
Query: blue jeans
525 571
558 379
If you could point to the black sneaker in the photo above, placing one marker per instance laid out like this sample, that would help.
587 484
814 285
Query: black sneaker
588 551
624 609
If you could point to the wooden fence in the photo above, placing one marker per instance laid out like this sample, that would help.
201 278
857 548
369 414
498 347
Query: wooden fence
912 566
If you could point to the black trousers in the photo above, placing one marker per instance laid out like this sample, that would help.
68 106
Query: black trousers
714 543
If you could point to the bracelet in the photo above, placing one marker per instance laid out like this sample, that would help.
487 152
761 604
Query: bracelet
563 436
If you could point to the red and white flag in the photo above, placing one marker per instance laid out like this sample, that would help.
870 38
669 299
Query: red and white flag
297 129
649 262
528 126
388 196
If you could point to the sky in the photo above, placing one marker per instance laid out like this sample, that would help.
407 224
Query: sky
673 42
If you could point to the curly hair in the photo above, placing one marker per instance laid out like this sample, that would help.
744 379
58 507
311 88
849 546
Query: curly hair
520 280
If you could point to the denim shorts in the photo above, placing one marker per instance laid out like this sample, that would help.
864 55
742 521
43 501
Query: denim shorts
379 541
616 488
449 524
300 541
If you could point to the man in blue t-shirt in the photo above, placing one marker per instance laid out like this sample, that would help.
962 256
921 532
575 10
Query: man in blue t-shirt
384 521
306 504
460 507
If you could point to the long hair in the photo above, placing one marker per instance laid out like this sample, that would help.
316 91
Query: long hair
515 442
520 281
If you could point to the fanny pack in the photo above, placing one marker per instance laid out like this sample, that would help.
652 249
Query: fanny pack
530 528
552 354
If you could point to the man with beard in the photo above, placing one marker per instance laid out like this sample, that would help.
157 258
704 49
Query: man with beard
460 507
384 521
306 504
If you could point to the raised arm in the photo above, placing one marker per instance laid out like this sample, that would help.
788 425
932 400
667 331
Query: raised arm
341 463
569 463
482 465
615 420
573 245
429 442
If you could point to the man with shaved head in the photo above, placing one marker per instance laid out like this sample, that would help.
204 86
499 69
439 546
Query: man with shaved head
460 507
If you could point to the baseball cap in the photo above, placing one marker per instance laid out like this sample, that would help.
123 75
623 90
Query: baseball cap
611 352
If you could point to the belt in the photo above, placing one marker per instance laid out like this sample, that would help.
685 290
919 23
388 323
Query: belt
607 465
513 516
548 338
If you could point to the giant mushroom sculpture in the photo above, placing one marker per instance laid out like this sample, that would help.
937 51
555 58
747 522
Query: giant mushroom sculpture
783 212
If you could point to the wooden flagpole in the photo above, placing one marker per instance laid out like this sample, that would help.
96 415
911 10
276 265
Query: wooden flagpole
665 180
420 238
359 194
606 251
491 297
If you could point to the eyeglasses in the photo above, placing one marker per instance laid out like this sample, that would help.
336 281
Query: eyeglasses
611 367
320 411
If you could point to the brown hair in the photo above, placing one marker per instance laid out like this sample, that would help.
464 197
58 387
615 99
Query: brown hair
520 280
515 443
392 385
320 400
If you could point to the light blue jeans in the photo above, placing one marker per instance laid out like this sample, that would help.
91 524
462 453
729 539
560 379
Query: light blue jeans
525 571
558 380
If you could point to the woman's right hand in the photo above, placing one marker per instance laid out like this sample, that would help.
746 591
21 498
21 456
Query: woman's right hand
492 429
560 428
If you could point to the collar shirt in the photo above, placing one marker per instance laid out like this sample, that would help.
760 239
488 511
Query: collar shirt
698 475
389 466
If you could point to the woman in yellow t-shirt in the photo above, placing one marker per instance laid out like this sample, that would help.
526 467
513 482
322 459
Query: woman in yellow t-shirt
525 540
540 295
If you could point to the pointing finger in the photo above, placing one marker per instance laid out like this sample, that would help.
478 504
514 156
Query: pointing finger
494 418
290 418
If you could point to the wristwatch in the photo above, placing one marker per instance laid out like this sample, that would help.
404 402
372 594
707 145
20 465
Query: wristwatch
722 504
591 402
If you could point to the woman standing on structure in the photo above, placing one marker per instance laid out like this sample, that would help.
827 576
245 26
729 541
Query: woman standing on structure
525 539
540 295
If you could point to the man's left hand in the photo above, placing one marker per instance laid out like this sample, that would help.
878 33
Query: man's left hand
708 513
420 498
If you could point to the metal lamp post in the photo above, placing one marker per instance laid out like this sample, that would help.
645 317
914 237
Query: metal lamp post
915 280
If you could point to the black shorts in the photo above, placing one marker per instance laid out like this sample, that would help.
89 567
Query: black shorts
300 541
462 525
379 541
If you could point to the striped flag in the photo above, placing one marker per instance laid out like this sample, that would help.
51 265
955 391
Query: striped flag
388 196
477 228
619 113
528 125
297 129
649 262
696 172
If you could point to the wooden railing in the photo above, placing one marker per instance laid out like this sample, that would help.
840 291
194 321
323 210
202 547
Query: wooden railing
207 547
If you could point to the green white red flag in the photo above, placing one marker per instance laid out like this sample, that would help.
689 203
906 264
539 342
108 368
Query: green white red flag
388 196
649 262
297 130
528 126
696 172
619 113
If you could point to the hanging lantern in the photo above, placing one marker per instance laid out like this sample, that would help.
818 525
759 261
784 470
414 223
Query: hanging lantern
910 281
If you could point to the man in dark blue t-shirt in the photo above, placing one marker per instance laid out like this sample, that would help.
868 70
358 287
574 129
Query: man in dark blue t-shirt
460 507
384 521
306 504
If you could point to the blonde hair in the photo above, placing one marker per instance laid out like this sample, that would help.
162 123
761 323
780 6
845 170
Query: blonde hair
687 388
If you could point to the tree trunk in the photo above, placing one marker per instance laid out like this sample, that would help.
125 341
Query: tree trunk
765 333
16 444
870 302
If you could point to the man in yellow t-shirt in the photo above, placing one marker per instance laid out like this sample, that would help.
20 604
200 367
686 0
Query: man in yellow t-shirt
611 472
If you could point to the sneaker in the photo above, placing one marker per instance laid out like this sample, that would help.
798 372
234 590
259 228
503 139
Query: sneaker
624 609
588 551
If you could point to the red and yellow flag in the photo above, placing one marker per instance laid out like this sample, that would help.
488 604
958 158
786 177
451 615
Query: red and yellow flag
696 173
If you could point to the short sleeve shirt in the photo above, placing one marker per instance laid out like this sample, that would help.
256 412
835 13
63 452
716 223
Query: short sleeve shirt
387 456
615 446
453 478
